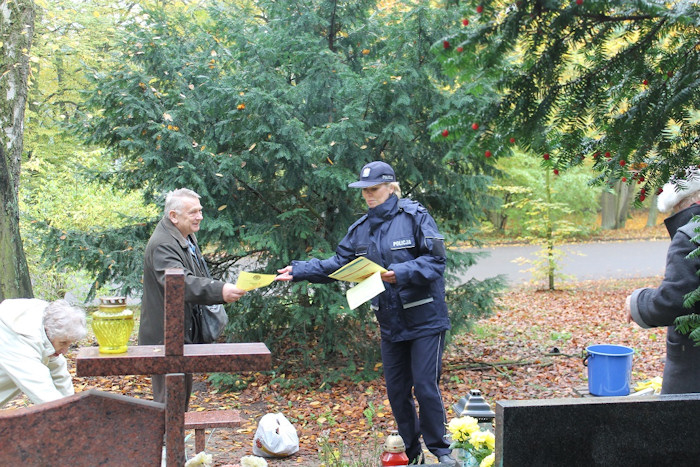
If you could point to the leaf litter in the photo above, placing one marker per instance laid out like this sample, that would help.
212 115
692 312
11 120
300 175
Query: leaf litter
532 347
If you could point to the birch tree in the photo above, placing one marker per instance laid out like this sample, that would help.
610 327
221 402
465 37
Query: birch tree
16 31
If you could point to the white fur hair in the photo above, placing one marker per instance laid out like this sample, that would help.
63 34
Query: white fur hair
678 189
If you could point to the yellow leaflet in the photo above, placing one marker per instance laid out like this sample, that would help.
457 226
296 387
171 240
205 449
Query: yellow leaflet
357 270
251 280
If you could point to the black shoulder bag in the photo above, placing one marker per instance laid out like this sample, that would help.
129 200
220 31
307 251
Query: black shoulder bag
210 319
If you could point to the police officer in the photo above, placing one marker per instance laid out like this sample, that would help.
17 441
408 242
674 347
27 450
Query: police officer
401 236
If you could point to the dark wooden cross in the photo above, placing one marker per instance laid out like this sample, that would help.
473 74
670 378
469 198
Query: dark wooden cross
174 359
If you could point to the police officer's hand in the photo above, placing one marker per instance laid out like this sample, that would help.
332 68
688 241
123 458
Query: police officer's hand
232 293
285 274
389 276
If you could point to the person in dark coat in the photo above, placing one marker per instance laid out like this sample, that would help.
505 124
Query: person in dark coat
173 245
650 307
402 237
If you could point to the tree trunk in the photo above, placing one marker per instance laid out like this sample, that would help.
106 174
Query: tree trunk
653 216
608 203
16 33
625 193
549 234
615 207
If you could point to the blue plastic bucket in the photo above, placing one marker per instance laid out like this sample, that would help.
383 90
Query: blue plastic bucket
609 369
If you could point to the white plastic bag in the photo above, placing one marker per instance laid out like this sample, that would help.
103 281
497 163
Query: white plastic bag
275 437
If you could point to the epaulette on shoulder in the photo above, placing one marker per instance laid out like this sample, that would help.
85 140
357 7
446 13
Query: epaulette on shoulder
357 222
410 206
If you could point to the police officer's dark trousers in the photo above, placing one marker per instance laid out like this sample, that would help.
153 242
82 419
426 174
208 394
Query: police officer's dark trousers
416 364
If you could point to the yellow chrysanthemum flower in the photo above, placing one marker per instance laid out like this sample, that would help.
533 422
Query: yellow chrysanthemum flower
490 440
478 439
461 428
488 460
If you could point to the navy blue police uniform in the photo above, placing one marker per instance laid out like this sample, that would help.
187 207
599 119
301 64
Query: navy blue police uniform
401 236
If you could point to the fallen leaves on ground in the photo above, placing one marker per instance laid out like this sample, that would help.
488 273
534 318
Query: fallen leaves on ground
531 348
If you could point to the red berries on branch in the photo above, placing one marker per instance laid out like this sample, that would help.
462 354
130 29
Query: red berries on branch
475 126
642 194
445 133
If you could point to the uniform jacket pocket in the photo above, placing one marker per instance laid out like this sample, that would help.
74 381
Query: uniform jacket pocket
414 296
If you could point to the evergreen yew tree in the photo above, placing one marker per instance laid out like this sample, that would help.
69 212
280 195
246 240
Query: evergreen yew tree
615 83
268 111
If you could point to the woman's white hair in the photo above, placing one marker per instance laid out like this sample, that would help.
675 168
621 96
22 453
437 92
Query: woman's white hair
173 199
64 322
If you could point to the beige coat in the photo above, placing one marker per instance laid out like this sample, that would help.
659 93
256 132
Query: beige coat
27 361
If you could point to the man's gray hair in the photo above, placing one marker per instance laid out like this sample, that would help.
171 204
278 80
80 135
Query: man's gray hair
64 322
173 199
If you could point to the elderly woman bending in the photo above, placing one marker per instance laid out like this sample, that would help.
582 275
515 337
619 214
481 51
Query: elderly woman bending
34 334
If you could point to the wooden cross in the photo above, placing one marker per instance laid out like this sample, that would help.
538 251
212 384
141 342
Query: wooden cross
174 359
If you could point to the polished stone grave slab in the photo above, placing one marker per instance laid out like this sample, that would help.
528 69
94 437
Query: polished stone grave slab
600 431
83 430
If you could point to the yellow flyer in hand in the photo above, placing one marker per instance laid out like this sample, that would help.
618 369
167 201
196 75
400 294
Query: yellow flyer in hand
357 270
253 280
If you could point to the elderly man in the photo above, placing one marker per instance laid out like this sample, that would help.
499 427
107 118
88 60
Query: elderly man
173 245
34 334
649 307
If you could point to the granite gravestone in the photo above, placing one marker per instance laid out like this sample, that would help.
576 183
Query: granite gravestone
83 430
602 431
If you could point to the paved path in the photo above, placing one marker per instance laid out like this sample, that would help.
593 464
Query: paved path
583 261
